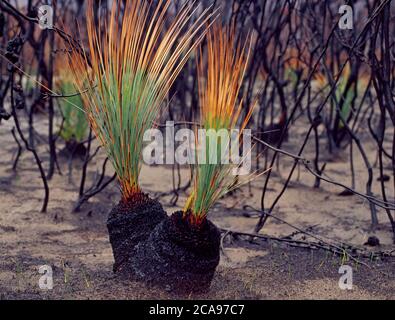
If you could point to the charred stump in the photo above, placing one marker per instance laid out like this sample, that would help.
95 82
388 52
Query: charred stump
129 223
178 256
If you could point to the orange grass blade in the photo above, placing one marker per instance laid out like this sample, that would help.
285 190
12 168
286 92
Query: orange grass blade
132 66
219 87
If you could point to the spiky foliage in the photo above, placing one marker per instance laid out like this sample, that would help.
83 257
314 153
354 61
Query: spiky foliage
133 63
219 88
75 124
341 94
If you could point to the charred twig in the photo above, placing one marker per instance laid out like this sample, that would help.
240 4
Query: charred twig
29 148
19 151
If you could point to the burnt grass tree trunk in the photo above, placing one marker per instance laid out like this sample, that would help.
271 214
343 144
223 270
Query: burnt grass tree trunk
129 223
73 149
178 256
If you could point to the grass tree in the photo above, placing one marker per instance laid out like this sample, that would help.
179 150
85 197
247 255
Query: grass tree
191 238
134 57
220 108
133 62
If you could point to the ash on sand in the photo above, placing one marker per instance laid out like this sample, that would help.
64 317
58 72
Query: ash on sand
179 257
129 223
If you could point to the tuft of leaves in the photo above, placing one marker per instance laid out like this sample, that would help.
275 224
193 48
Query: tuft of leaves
134 59
220 108
341 93
75 125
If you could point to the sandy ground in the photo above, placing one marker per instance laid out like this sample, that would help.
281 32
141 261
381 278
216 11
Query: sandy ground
77 247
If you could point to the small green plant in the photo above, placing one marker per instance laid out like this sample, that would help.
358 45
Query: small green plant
219 88
341 93
75 124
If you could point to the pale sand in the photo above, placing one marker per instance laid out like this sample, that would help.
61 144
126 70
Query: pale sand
76 244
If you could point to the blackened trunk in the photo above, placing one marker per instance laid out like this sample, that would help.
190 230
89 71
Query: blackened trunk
129 223
178 256
74 149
